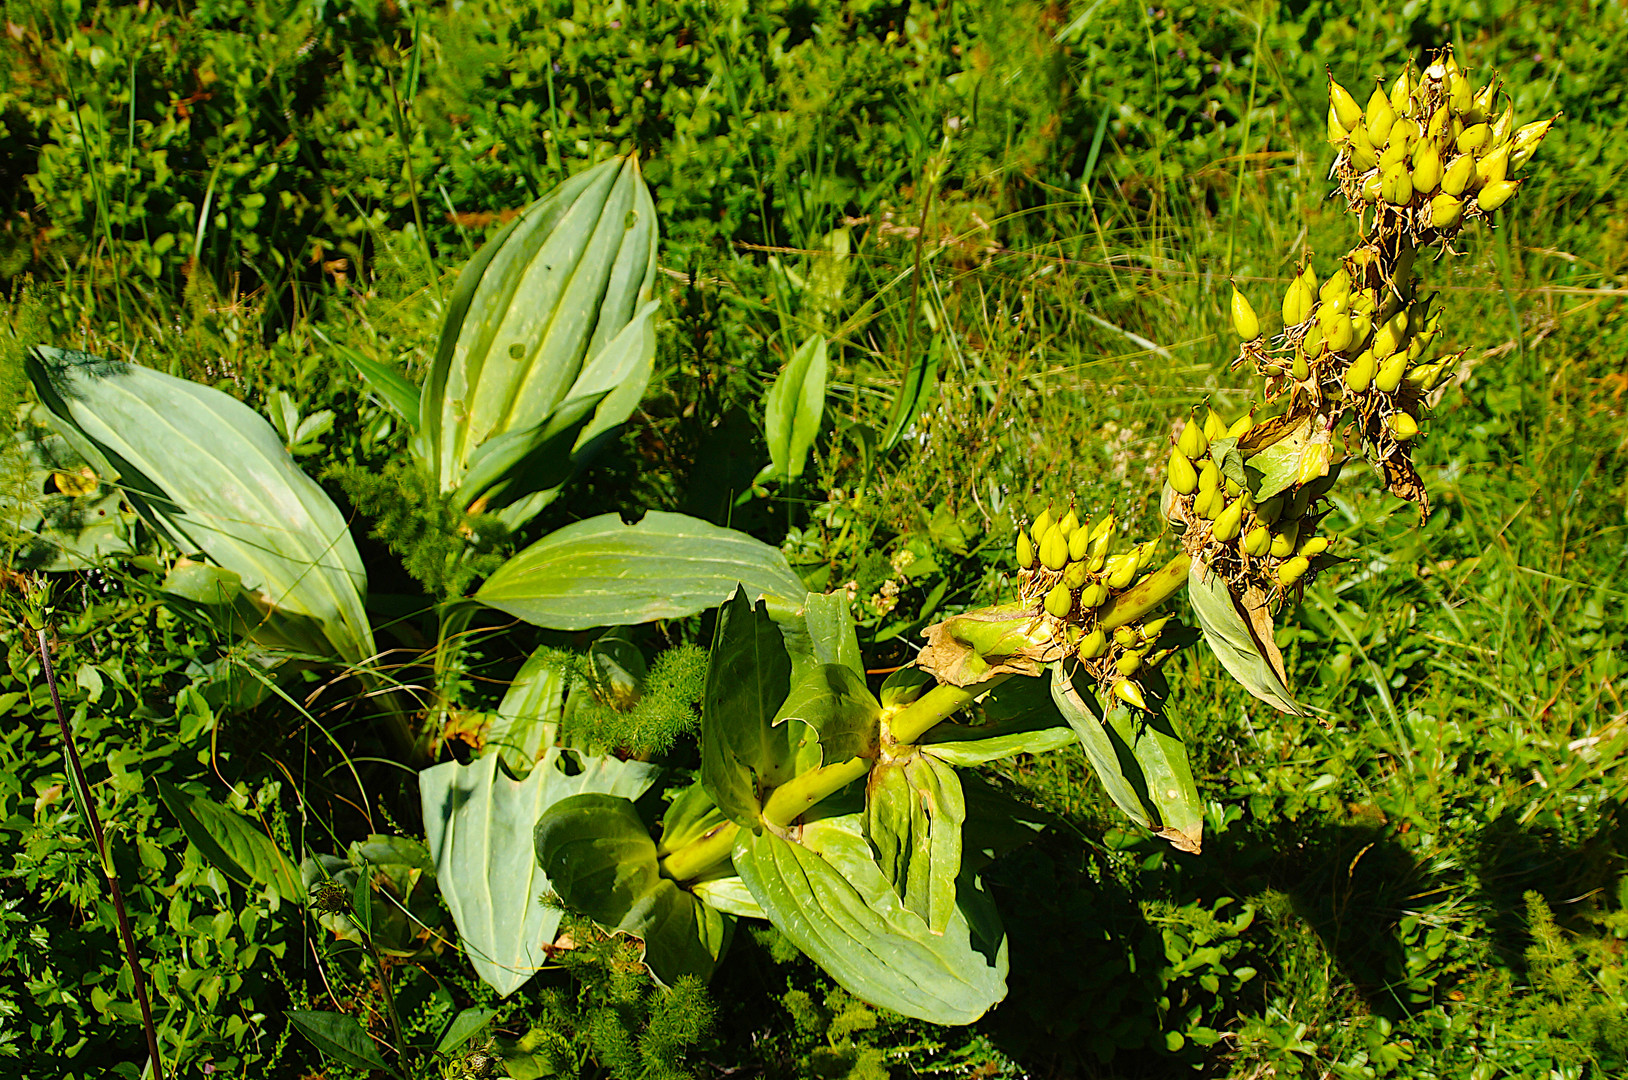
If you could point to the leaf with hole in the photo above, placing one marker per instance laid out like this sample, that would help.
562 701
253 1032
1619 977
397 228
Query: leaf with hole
478 821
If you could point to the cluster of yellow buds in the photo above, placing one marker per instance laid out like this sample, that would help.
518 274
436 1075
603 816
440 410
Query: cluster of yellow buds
1420 162
1269 543
1432 152
1069 572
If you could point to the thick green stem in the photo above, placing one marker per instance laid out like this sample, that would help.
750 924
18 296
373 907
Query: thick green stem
707 851
796 797
941 702
1148 594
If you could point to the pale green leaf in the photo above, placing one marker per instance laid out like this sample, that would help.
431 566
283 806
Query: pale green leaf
1017 717
1139 757
478 822
210 472
828 896
547 329
528 718
601 572
914 812
1229 636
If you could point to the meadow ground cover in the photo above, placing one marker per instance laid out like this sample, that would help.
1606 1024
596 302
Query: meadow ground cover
1015 225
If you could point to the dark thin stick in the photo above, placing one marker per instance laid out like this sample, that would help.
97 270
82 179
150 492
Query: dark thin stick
95 820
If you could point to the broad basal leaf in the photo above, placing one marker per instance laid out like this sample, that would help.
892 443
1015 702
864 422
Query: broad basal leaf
744 753
211 474
601 572
602 862
548 342
827 894
1233 641
478 822
528 718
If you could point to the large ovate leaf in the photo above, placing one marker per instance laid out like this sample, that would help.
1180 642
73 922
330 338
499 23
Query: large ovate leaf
547 342
212 475
478 822
1233 640
829 897
1017 717
744 753
231 843
602 572
914 812
833 700
793 408
521 471
1139 757
602 863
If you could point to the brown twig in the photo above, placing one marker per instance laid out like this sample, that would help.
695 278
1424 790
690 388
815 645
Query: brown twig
82 786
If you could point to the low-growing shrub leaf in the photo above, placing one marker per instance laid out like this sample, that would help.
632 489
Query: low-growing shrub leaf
601 572
340 1037
231 843
462 1028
